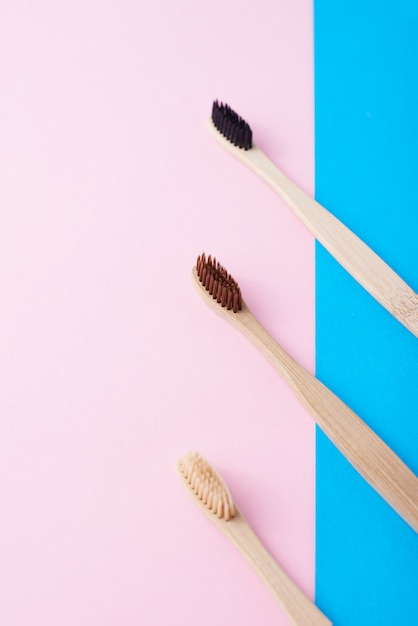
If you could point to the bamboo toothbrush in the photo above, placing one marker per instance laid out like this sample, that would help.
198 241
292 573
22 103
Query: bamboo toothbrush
210 493
234 134
371 457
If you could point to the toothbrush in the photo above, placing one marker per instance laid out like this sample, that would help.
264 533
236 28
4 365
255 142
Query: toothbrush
370 456
210 493
234 134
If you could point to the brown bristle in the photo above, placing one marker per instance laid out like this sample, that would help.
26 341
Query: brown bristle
220 285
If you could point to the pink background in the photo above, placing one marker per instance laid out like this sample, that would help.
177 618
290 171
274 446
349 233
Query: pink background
111 366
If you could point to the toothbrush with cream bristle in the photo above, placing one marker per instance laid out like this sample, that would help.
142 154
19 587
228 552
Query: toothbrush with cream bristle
360 445
210 493
364 265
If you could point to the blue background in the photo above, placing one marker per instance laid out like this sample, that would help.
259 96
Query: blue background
366 156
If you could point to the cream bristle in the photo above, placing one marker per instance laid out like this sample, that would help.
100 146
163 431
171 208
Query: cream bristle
207 485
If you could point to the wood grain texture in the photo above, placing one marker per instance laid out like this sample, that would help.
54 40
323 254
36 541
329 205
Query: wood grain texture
300 610
350 251
361 446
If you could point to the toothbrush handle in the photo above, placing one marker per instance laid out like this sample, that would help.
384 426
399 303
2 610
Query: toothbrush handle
361 446
349 250
297 606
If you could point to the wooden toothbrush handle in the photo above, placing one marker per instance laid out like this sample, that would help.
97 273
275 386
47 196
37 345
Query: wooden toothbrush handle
297 606
361 446
348 249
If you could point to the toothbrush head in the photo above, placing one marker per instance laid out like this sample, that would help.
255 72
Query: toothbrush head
219 283
206 484
232 126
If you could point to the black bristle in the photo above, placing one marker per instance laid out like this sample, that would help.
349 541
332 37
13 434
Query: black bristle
232 126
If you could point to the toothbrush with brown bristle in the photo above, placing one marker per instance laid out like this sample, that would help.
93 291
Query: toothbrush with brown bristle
234 134
371 457
210 493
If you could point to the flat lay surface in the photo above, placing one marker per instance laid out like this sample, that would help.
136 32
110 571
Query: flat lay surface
112 367
366 166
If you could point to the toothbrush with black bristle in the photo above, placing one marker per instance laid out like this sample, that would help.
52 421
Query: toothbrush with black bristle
364 265
360 445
